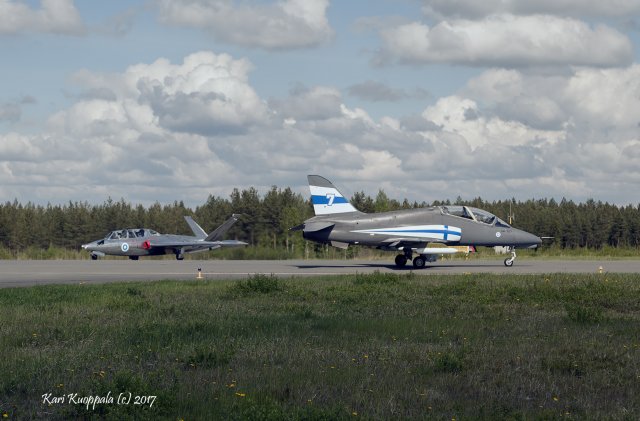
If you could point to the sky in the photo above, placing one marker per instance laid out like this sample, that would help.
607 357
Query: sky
158 100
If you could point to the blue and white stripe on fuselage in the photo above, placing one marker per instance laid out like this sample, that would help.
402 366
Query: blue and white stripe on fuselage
327 200
433 232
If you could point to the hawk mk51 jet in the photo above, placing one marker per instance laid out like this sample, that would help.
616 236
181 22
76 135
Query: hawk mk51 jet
408 231
136 242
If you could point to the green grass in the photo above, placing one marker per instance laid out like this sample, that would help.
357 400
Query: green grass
363 346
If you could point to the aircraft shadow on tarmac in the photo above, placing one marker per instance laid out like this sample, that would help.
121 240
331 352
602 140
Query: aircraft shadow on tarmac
371 265
407 268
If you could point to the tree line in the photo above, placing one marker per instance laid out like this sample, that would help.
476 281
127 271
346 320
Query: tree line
267 218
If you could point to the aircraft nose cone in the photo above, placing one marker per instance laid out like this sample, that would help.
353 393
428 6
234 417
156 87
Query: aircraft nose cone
526 239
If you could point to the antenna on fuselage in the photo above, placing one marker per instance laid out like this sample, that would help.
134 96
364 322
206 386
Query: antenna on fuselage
511 215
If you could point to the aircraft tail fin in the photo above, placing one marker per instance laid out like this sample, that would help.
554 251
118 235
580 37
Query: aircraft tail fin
216 234
326 198
197 229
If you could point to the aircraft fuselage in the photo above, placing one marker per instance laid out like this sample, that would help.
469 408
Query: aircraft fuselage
381 229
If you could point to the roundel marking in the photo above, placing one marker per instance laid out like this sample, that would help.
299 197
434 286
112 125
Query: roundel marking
498 234
124 247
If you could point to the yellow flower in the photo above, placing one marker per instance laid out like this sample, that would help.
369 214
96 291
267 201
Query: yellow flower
556 399
5 415
354 413
242 395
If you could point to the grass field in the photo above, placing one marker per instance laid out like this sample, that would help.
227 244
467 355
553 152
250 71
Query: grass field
373 346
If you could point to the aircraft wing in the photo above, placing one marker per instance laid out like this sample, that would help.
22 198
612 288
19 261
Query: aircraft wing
313 226
190 246
421 245
412 242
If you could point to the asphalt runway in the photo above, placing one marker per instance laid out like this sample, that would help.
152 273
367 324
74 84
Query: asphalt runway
17 273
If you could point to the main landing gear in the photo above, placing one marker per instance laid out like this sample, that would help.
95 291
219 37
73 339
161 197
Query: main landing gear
508 262
419 262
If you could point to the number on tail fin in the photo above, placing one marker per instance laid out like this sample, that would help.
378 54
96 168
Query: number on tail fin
331 197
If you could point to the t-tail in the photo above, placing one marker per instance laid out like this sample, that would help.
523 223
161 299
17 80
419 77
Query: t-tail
326 198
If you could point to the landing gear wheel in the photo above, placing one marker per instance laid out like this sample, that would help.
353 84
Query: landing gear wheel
401 260
94 257
419 262
134 257
508 262
179 257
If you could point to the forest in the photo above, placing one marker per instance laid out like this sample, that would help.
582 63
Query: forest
267 218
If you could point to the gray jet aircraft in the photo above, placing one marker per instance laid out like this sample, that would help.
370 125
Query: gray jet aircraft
408 231
136 242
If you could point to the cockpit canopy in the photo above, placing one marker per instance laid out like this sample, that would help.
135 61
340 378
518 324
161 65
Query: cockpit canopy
474 214
131 233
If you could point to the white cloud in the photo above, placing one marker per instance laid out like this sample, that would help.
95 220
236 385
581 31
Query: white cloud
53 16
507 41
182 131
152 132
284 24
532 101
207 94
17 147
607 98
477 9
463 117
596 125
600 99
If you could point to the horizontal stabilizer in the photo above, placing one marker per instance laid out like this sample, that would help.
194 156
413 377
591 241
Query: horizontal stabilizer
317 226
340 245
297 228
232 243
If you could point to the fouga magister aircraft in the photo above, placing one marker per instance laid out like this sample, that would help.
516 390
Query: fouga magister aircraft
136 242
407 231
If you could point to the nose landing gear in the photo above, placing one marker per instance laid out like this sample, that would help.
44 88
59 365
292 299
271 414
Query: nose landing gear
508 262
